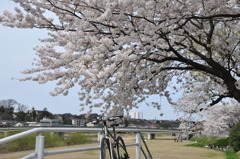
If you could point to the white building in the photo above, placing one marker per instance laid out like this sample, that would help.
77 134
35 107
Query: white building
33 124
136 115
49 122
81 122
90 124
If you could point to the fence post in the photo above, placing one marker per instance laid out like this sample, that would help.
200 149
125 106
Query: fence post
5 134
151 136
100 136
138 147
39 147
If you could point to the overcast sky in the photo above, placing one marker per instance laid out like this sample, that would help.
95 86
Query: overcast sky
16 54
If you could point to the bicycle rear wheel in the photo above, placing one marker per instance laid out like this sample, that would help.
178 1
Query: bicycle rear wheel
105 149
121 149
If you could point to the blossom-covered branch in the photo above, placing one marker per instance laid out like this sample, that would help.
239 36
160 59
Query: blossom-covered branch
122 51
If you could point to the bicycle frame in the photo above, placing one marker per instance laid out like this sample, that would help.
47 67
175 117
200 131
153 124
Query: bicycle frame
112 138
114 143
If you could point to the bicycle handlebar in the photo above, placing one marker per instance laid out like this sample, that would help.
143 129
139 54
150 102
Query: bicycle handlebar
113 118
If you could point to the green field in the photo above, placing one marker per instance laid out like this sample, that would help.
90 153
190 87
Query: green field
160 148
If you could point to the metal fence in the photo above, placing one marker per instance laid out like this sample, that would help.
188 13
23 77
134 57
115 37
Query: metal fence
39 145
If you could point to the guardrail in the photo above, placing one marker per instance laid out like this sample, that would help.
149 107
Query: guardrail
39 145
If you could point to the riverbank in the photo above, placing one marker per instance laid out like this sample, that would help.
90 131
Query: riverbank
167 149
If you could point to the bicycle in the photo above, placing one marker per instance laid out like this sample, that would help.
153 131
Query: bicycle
112 146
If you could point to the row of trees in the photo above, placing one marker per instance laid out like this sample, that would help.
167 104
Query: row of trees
7 108
10 109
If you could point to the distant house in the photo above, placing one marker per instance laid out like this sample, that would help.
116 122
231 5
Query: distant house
21 124
4 125
81 122
49 122
90 124
92 116
33 124
75 121
199 126
152 126
132 125
58 117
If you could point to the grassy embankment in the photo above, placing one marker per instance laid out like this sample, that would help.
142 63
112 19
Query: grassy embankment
162 147
203 141
51 140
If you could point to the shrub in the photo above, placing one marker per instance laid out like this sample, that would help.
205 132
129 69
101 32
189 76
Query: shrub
77 138
25 143
234 137
53 140
222 142
28 142
231 154
203 141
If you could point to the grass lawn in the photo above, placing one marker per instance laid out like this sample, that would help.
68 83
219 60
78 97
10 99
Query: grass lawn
168 149
160 148
238 154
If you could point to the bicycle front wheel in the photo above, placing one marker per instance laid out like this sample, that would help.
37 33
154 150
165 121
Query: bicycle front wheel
105 149
121 149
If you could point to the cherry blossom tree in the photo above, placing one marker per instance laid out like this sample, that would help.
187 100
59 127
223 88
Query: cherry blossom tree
120 52
220 119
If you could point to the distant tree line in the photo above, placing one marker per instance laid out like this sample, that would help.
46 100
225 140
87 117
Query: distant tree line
10 109
7 108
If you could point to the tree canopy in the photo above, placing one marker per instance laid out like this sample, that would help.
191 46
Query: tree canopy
123 51
8 105
220 119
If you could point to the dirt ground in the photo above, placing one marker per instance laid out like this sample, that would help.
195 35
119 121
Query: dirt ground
159 148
